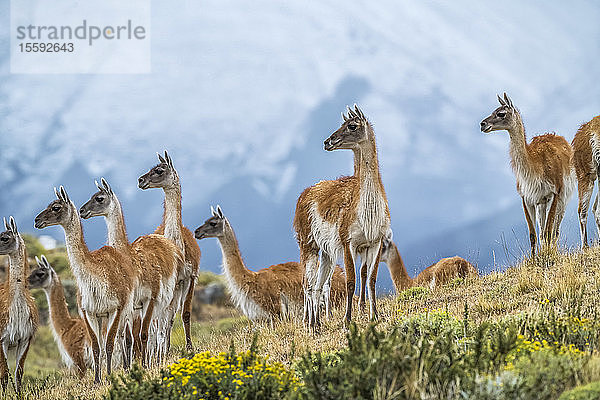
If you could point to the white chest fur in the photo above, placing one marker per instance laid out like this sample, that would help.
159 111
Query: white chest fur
95 295
20 324
241 299
530 183
372 213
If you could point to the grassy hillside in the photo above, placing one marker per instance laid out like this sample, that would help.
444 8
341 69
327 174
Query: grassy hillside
551 303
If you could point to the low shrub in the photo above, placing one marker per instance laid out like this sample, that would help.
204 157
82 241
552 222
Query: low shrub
227 376
587 392
413 293
424 357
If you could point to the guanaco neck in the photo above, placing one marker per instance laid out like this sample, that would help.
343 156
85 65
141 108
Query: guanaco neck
366 164
115 224
233 265
172 220
397 269
57 304
373 209
518 144
77 249
18 268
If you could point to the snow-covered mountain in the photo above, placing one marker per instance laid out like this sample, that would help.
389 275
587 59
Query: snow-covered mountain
243 95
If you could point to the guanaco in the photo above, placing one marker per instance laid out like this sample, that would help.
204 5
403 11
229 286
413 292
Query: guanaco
543 168
166 177
157 262
106 281
586 159
343 217
70 333
269 293
18 314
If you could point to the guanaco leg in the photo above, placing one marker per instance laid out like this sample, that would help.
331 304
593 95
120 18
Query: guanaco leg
529 210
350 281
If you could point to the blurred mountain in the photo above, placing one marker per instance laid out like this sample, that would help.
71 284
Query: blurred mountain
244 95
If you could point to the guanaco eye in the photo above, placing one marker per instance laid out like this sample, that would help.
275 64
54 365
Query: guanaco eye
56 208
352 127
4 239
213 223
159 171
501 114
99 199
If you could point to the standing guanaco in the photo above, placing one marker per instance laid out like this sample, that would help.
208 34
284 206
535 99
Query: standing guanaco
343 217
543 168
106 280
166 177
18 314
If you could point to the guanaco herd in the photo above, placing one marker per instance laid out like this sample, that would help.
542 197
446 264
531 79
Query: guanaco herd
130 292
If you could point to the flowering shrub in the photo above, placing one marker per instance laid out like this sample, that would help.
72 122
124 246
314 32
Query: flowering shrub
229 376
226 376
527 347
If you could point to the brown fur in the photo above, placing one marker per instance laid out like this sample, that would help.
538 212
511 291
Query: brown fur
155 256
338 203
549 156
105 266
71 331
543 169
267 286
438 274
7 293
165 176
192 260
400 277
337 294
444 271
586 171
157 261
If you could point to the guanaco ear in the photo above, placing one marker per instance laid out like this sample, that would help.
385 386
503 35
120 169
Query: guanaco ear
220 212
358 112
212 211
64 194
344 117
169 160
13 225
351 113
98 185
502 103
106 186
161 159
56 193
508 100
45 261
6 228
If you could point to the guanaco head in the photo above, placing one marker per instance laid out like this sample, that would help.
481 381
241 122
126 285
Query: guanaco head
162 175
100 203
9 239
214 226
58 212
41 277
353 132
386 246
505 117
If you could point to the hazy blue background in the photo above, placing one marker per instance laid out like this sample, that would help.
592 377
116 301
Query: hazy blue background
243 94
